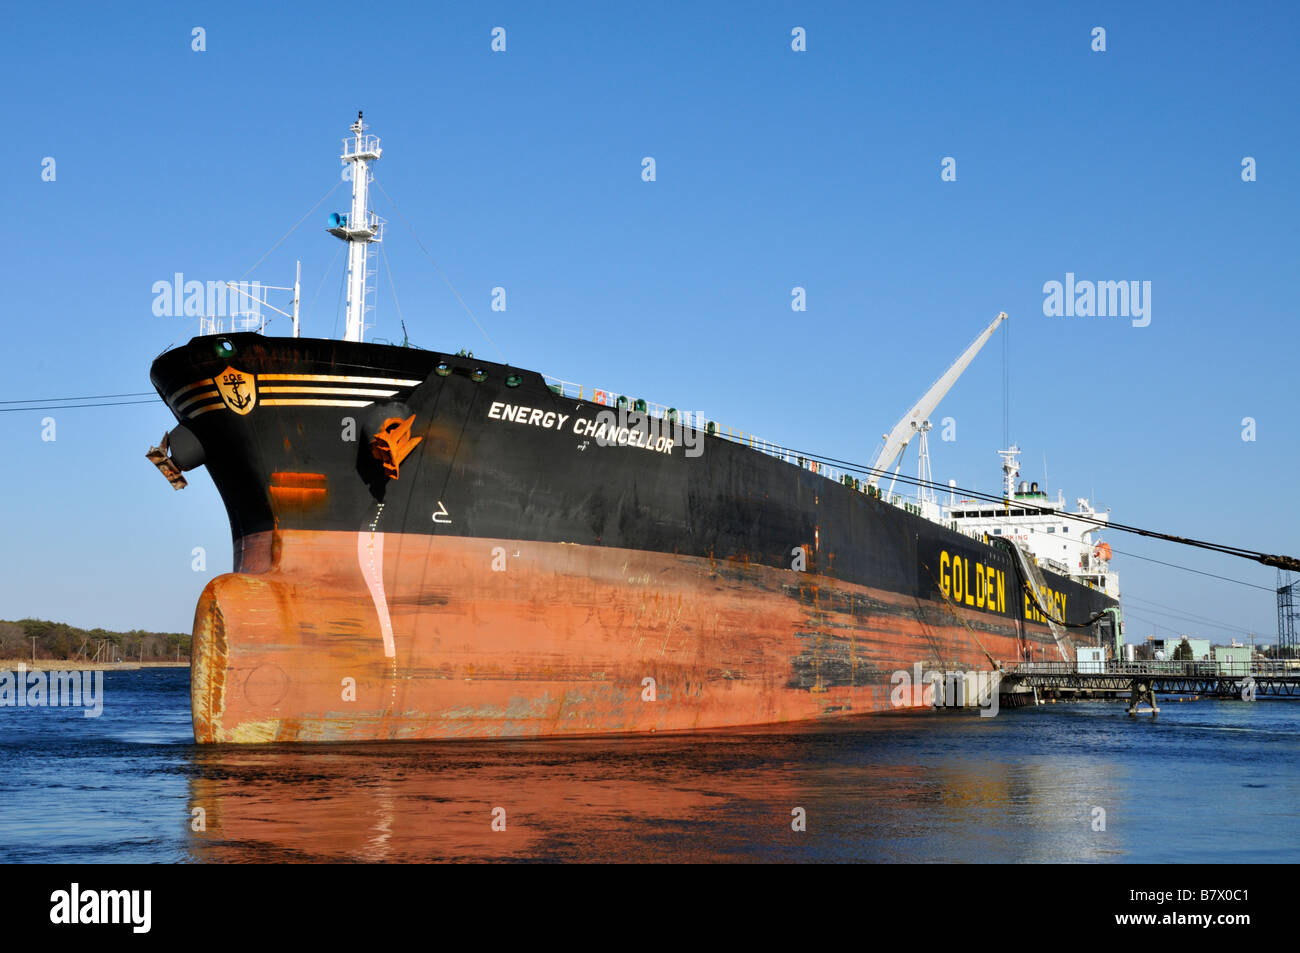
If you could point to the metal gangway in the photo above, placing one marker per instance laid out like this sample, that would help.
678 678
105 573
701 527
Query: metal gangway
1031 573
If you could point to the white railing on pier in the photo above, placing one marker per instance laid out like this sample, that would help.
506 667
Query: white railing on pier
1183 668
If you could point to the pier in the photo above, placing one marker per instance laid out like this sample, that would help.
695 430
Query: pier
1141 681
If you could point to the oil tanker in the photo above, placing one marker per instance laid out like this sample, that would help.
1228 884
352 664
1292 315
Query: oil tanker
433 546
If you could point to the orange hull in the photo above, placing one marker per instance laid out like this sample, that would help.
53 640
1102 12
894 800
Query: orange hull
331 636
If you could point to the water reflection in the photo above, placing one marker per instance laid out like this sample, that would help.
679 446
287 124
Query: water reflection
1207 780
892 788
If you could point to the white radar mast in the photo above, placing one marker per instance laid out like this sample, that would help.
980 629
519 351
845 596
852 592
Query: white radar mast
1010 470
359 228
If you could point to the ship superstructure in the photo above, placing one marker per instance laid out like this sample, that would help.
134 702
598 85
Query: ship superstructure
1061 540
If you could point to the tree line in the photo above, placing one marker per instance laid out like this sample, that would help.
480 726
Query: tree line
58 640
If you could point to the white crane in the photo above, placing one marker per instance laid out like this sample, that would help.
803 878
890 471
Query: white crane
917 419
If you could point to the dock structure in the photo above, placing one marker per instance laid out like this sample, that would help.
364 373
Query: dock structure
1142 680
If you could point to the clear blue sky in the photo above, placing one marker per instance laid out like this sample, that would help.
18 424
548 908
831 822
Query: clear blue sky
775 169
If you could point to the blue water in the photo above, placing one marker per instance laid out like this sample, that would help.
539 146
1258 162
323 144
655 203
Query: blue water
1215 781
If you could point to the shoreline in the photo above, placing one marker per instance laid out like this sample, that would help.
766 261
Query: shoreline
80 665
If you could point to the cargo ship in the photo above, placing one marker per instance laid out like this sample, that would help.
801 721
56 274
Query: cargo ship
428 545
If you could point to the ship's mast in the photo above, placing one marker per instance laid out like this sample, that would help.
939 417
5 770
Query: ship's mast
924 477
360 227
1010 470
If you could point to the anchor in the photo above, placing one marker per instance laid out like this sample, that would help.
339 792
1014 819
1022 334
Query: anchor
393 443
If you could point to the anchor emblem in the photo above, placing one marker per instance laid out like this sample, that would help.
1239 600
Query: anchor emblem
238 390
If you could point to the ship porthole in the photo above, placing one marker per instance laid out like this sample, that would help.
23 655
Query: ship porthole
479 375
224 347
513 380
443 369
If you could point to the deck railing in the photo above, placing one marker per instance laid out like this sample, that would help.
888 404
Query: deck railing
697 421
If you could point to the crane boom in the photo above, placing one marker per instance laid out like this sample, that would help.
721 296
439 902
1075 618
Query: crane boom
897 439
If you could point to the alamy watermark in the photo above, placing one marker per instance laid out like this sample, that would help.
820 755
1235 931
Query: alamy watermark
179 298
1099 299
946 689
639 429
621 427
37 688
77 905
